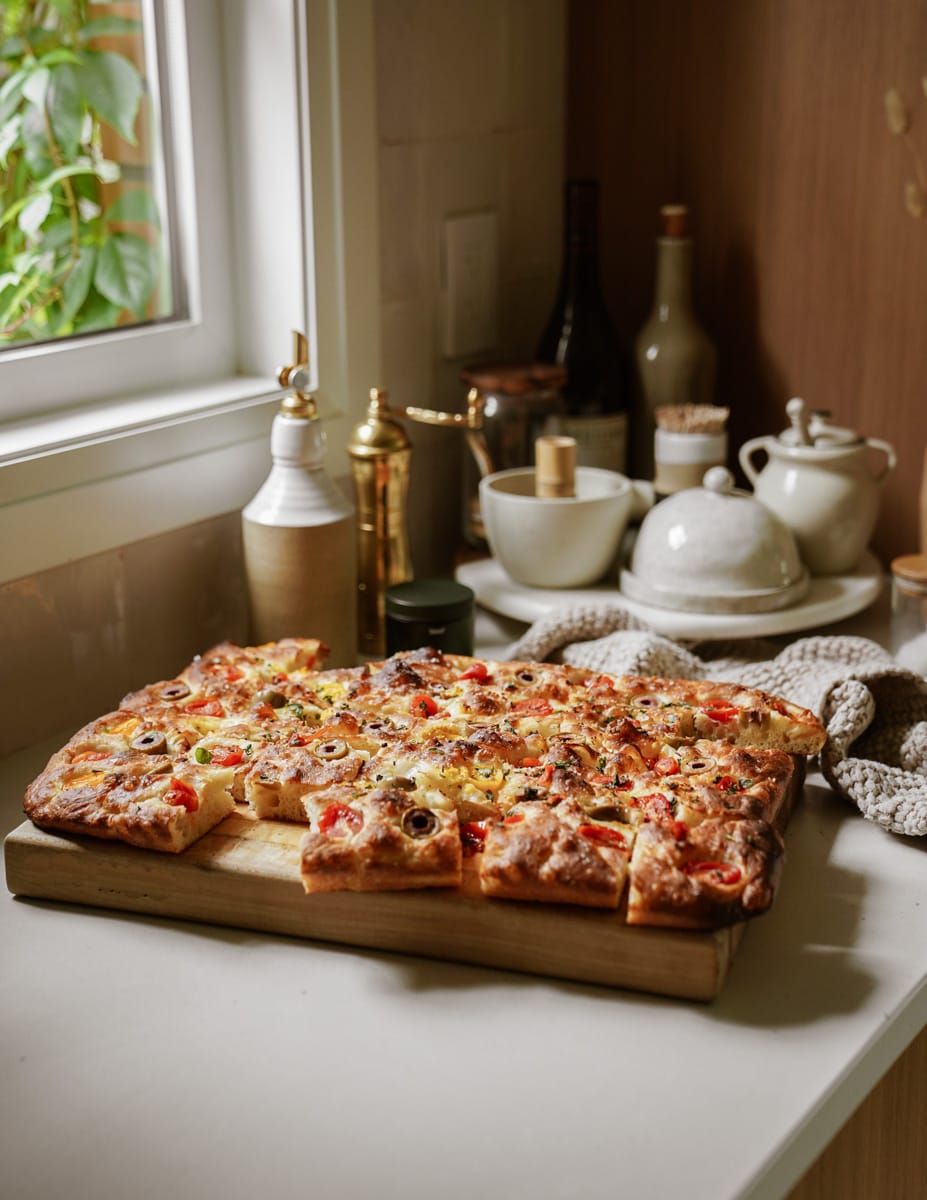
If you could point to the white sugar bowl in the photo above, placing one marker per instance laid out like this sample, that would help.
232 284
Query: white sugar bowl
556 542
715 549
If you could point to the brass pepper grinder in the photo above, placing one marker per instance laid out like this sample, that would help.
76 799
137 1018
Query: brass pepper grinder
380 453
298 532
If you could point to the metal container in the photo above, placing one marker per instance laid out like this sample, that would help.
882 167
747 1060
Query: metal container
429 612
380 454
519 405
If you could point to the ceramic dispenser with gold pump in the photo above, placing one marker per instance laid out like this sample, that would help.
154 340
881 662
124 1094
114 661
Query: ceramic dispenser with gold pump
299 532
381 453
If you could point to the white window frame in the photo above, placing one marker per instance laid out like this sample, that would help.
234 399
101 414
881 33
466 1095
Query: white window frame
113 465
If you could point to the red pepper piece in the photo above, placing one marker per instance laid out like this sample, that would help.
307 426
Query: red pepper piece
603 836
534 707
667 765
473 836
530 762
423 705
340 819
478 671
656 807
227 756
721 872
722 713
513 818
206 706
182 795
680 831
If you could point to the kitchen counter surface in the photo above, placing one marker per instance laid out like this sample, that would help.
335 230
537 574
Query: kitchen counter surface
146 1058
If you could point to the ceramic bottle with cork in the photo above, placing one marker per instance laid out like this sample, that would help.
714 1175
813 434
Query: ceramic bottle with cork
675 358
298 534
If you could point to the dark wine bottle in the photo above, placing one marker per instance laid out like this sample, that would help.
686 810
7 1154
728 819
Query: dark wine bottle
581 338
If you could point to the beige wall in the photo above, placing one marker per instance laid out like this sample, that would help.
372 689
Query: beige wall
470 116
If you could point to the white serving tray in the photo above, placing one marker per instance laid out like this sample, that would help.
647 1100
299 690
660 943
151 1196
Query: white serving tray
830 598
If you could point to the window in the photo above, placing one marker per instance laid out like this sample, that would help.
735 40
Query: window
111 437
86 223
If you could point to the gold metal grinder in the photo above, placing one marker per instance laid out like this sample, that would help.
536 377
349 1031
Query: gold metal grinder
381 454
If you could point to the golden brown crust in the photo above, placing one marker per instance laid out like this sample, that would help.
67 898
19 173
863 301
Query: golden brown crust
382 842
539 852
716 874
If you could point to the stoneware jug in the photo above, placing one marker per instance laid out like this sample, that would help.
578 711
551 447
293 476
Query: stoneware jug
823 483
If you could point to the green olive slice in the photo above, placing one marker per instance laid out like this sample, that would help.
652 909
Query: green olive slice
333 748
696 765
419 822
150 741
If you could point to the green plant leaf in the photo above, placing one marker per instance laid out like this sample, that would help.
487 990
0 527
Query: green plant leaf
13 47
9 136
107 26
136 205
11 93
75 288
96 313
65 108
127 271
36 86
61 55
35 142
33 213
113 88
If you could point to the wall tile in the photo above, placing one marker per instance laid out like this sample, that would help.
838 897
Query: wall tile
75 639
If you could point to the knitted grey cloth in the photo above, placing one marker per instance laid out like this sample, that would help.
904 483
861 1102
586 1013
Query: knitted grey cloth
874 710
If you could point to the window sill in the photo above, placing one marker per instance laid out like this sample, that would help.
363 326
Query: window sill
91 479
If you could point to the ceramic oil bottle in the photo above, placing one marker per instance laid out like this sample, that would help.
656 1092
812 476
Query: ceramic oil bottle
299 537
674 356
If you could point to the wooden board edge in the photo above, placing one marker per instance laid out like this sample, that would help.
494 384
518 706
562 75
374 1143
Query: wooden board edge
209 883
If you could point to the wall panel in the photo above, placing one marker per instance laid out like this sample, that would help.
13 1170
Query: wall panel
767 118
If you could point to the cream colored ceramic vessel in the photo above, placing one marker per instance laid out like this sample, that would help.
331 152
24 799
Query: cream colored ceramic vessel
556 542
714 549
826 491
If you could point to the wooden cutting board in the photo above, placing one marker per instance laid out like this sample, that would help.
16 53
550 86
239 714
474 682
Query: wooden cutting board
245 873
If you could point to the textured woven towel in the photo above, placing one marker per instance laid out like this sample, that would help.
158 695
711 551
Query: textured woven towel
875 711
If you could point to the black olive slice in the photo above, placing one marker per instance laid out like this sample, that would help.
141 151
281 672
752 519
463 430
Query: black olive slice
607 812
525 676
174 691
152 741
419 822
333 748
273 698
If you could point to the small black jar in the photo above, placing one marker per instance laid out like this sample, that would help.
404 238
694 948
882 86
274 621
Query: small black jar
429 612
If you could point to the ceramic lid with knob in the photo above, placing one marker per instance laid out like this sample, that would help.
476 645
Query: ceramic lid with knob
715 549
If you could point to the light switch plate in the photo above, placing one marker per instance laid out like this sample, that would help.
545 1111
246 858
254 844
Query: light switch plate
470 284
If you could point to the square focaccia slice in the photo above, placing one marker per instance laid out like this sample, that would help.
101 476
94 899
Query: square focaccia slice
717 873
380 840
147 800
558 853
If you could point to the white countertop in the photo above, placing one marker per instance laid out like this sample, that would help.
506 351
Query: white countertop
147 1058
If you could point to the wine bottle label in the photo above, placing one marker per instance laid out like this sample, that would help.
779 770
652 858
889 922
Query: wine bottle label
601 441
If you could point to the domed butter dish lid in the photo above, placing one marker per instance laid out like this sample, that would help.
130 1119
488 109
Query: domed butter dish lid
714 549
